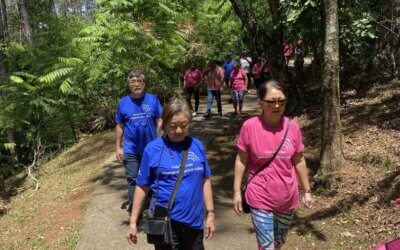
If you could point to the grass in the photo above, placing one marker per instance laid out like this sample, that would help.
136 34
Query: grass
52 217
378 161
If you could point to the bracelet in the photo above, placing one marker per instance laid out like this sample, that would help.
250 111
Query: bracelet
210 211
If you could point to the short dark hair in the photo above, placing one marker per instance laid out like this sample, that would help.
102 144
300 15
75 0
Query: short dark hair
173 107
136 74
263 88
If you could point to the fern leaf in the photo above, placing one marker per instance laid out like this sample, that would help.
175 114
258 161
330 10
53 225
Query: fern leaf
168 9
72 61
52 76
65 86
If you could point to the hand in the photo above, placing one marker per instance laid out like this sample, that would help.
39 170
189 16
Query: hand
210 226
131 235
308 200
118 154
221 88
237 203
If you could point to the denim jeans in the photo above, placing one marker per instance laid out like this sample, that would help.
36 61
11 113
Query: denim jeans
131 163
210 99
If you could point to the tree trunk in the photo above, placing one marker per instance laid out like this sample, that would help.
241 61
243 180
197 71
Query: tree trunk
275 43
271 40
24 17
52 8
3 67
64 9
3 21
331 138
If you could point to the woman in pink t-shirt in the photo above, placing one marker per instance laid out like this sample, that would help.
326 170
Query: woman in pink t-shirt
273 193
238 86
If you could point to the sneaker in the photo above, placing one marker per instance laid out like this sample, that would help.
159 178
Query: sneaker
194 113
249 91
206 115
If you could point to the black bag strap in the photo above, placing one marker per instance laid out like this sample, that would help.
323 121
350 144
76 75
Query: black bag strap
273 156
185 153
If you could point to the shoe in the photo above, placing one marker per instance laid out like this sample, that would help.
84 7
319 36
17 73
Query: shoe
206 115
194 113
219 115
249 91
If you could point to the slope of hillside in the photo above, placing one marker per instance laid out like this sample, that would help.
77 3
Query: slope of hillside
52 216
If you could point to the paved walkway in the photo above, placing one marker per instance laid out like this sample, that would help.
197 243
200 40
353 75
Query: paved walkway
107 220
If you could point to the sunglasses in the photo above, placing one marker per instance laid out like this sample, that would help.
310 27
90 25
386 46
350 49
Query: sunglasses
272 103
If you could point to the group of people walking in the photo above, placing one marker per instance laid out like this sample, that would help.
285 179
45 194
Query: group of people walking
237 76
158 153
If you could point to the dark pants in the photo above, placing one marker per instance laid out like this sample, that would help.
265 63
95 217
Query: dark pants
183 238
248 80
131 163
196 93
210 99
227 82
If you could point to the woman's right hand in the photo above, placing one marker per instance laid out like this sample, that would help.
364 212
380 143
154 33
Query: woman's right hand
237 203
131 235
118 154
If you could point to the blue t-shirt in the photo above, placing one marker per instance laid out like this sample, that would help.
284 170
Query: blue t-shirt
228 66
139 119
188 206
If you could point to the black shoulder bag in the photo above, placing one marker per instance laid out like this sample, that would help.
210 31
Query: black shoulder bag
245 205
158 227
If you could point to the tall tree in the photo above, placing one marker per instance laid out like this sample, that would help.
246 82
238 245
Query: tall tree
331 139
3 73
269 40
26 26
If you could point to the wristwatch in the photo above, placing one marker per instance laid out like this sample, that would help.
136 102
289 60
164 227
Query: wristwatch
211 211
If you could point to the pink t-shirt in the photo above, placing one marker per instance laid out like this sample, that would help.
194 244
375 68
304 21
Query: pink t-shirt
238 79
287 51
192 77
275 187
214 78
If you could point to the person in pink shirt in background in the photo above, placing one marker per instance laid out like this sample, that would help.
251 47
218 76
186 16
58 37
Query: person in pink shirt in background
287 52
238 86
214 76
191 85
273 193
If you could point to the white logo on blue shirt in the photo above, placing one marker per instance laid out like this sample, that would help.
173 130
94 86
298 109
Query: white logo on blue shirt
193 157
146 107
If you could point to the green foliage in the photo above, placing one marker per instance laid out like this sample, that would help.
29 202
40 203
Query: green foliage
69 81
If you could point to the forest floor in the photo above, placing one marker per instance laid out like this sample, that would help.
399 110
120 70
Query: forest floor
360 213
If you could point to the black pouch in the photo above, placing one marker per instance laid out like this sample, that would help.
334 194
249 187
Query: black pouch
158 227
245 206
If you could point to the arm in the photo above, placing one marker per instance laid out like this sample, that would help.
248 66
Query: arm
301 169
184 82
208 200
159 127
119 131
246 81
242 159
138 201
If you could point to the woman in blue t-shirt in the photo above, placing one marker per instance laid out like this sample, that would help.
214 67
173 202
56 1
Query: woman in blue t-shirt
159 170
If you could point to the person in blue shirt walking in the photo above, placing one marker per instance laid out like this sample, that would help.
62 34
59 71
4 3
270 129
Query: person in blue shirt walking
228 67
138 121
159 171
